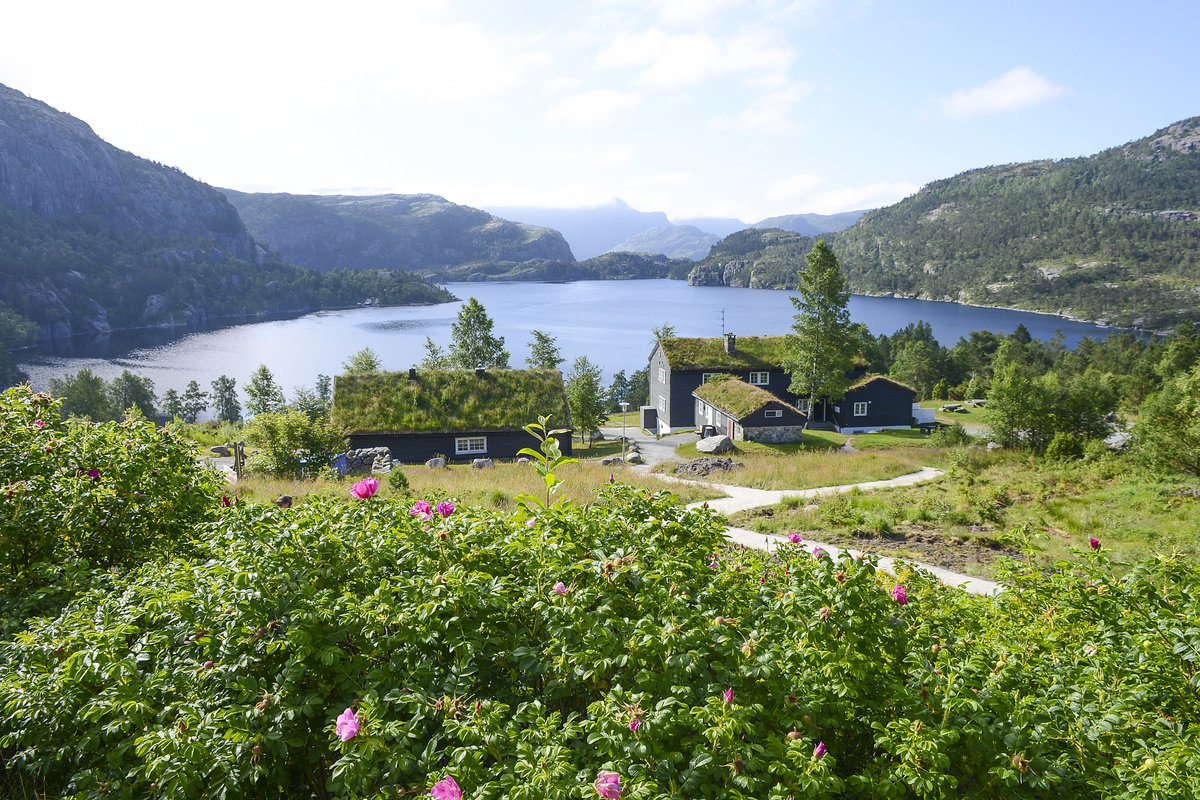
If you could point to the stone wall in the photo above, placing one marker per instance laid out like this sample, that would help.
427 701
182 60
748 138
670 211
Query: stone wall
369 460
780 434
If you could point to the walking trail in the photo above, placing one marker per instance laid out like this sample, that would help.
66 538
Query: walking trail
742 498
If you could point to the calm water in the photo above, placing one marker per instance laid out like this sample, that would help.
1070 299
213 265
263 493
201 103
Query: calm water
609 321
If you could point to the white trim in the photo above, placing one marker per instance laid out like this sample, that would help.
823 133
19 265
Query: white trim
470 445
764 378
860 404
705 377
802 405
773 412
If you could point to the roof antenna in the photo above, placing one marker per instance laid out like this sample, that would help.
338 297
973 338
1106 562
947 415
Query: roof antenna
722 323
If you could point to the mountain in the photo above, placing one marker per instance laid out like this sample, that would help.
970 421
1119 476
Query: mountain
811 224
419 232
759 259
590 231
608 266
674 241
95 239
1113 237
717 226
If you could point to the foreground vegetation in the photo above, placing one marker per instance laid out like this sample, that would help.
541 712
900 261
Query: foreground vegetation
364 647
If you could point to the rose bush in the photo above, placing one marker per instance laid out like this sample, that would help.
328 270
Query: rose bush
355 649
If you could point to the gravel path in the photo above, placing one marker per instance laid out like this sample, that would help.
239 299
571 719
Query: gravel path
743 498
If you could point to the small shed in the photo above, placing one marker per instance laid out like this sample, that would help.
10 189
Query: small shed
460 415
876 403
747 413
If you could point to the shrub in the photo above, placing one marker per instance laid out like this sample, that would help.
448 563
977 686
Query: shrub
110 493
291 444
1064 447
951 436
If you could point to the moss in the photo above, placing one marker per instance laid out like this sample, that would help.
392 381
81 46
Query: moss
449 400
750 352
737 398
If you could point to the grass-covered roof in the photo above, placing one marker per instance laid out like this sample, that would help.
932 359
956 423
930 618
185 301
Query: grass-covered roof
750 352
449 400
737 398
885 379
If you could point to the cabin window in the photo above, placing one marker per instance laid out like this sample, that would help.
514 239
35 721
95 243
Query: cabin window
662 374
773 412
860 409
708 376
802 405
760 378
468 445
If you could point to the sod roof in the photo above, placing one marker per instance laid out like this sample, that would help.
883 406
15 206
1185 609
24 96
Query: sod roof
449 400
737 398
885 379
750 352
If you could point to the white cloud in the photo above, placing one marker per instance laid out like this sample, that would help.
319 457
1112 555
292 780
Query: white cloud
770 112
677 60
1018 88
598 105
688 12
804 194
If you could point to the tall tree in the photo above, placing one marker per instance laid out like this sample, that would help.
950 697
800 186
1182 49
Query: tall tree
363 362
585 397
472 344
639 388
225 399
132 391
263 394
194 402
435 357
543 351
618 391
819 353
324 389
172 404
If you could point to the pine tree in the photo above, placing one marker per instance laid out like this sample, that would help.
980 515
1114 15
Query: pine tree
819 353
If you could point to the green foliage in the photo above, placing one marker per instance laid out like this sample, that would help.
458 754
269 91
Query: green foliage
1024 410
365 360
639 388
263 394
292 444
225 399
472 344
1167 435
132 391
821 351
84 394
586 397
110 493
1065 447
543 351
951 436
547 458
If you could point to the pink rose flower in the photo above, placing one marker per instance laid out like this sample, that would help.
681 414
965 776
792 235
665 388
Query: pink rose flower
634 724
445 509
560 588
608 785
818 553
347 725
421 509
529 523
728 695
94 474
795 538
1094 543
446 789
365 488
819 750
39 423
899 594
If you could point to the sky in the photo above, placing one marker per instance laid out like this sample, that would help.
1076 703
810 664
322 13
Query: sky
697 108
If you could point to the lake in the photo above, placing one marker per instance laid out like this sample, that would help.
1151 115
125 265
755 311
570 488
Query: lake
609 321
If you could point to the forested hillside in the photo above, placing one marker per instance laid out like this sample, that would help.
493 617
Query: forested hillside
95 239
1113 237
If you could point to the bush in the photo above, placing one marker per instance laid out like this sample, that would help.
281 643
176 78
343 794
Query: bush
1064 447
951 436
290 444
110 493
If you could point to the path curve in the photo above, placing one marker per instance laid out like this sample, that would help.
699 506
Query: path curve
744 498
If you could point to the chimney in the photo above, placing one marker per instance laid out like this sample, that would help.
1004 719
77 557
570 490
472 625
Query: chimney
412 373
479 372
730 343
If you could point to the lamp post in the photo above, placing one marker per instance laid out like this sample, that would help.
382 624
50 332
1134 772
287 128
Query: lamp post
624 408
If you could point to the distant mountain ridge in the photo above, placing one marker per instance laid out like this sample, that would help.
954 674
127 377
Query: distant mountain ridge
95 239
414 232
590 231
812 224
675 241
1112 238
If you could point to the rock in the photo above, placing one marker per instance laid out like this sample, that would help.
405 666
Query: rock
523 460
715 444
220 450
482 463
610 461
436 463
812 507
702 467
634 458
993 446
597 436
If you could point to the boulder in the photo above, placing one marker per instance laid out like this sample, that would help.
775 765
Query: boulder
436 463
634 458
702 467
220 450
715 444
482 463
609 461
523 460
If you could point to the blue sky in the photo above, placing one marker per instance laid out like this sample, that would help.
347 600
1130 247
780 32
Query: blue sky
693 107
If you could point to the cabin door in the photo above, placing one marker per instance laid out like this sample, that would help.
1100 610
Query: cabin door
730 428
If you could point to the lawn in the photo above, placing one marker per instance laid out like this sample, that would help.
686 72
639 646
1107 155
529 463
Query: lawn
1005 503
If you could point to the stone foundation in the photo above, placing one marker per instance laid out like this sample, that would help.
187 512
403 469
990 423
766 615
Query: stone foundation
782 434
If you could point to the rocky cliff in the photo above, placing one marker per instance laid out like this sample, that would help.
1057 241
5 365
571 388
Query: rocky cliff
417 233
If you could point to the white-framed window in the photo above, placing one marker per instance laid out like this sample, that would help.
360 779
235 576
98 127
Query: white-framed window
469 445
802 405
773 412
662 374
708 376
760 378
860 409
